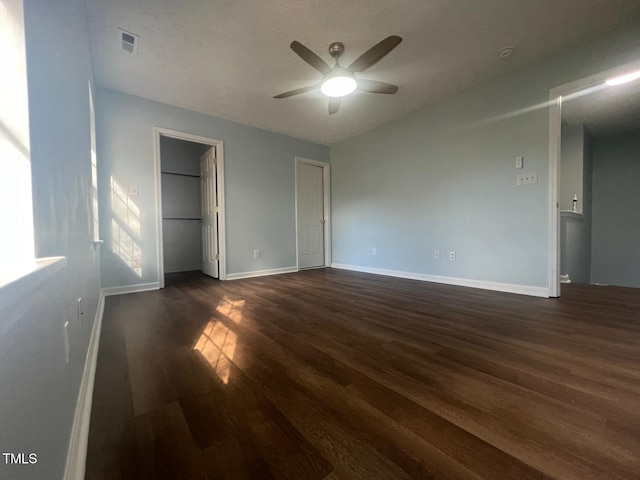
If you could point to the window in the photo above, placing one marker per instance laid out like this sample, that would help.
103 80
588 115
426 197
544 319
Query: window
16 204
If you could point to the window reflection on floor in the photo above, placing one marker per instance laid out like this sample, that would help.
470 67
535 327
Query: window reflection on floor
217 343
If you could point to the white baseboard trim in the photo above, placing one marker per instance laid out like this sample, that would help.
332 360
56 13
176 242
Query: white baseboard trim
461 282
261 273
77 453
140 287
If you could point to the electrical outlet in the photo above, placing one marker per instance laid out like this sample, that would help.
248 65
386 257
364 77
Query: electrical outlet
452 256
528 178
133 190
436 254
256 253
374 252
67 345
519 162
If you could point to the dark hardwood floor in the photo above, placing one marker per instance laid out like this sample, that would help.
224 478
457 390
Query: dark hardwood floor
328 374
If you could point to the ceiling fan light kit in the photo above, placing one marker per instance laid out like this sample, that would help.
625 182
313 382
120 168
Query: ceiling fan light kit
339 81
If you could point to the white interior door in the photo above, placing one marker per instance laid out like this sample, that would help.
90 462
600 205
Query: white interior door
311 217
209 203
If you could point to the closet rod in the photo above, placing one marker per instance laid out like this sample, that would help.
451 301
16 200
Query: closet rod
180 174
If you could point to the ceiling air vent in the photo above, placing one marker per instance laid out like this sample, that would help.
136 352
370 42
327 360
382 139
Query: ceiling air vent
129 41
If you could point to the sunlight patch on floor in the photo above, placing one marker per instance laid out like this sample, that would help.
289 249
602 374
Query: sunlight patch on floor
217 343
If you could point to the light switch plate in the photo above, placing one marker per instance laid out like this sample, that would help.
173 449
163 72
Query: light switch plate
519 162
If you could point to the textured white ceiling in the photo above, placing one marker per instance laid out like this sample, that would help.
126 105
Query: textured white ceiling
228 58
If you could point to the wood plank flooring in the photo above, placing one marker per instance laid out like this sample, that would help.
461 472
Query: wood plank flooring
335 375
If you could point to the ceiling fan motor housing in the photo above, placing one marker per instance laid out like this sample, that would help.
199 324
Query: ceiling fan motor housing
336 49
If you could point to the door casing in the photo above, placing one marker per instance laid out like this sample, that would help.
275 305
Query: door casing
219 144
557 94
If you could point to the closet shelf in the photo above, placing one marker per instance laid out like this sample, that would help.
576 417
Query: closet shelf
180 174
570 214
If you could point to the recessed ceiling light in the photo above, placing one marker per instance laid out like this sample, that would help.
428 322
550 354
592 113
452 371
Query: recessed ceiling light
506 51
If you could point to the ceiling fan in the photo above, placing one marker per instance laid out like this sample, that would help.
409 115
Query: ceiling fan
340 81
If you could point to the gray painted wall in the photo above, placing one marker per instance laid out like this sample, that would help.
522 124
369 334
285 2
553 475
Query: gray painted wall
571 167
444 177
616 203
180 156
575 255
182 239
587 191
38 391
575 178
259 183
587 170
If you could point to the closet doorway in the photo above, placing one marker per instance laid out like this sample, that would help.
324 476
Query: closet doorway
313 226
190 204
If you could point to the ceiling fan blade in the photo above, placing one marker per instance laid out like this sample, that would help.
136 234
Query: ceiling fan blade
311 58
334 105
376 53
297 91
373 86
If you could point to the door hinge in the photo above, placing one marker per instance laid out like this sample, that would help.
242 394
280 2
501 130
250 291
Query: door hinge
217 256
216 209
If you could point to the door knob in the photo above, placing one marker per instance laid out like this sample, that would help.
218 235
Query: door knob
322 221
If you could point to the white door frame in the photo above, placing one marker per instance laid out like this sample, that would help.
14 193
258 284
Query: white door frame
566 92
326 193
219 144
